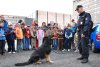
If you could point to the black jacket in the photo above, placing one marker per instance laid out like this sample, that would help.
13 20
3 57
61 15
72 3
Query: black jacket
85 22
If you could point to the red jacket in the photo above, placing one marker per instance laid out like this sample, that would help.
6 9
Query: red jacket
28 33
55 34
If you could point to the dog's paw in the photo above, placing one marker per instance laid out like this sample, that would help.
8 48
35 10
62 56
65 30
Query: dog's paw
39 62
51 62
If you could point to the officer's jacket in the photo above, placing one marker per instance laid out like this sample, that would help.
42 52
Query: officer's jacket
85 21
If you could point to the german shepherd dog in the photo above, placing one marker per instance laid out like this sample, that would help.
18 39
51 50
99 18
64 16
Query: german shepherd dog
42 52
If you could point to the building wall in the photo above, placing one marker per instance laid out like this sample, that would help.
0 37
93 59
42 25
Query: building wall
29 21
67 19
42 17
13 19
51 17
61 19
91 6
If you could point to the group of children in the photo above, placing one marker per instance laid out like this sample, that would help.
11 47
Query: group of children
28 37
68 35
10 34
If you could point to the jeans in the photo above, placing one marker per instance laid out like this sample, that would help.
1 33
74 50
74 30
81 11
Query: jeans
55 43
11 45
23 41
72 43
27 42
67 43
2 46
19 44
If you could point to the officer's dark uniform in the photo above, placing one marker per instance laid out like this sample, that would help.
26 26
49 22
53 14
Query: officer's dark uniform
84 25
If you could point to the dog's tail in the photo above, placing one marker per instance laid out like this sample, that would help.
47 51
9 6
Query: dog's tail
22 64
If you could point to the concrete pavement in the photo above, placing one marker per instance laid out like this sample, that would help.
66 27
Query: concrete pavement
65 59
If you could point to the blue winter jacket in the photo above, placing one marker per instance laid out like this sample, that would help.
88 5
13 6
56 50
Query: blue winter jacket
2 34
9 34
64 32
73 30
68 33
5 25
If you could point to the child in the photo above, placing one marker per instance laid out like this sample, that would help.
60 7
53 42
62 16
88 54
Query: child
2 39
24 31
48 32
68 36
40 36
55 38
33 37
19 36
27 38
10 35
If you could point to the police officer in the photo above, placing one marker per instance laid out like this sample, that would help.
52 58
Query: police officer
84 25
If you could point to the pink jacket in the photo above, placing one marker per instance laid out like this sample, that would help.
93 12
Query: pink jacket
40 34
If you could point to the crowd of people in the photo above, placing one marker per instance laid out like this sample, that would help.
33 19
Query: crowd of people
28 36
73 36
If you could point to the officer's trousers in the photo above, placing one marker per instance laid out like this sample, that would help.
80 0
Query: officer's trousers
83 46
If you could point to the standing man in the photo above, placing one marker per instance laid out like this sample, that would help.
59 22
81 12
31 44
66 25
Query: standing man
2 39
5 23
84 26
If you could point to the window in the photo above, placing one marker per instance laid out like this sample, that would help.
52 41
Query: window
94 29
98 28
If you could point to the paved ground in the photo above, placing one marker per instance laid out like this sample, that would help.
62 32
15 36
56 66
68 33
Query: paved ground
65 59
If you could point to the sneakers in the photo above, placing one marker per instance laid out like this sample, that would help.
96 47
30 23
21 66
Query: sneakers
68 49
84 61
64 50
12 52
9 52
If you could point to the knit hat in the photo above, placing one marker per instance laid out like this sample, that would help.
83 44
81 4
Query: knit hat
9 23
